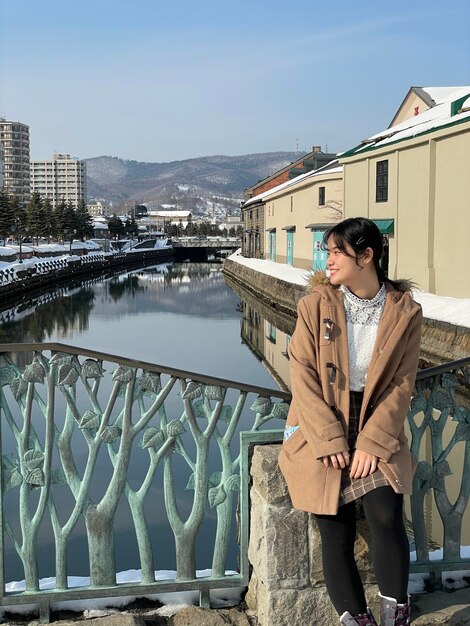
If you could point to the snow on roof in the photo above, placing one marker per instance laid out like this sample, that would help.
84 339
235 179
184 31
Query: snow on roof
329 168
441 94
169 213
445 309
432 119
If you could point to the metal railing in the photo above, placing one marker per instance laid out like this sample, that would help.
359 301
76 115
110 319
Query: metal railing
89 439
439 421
86 435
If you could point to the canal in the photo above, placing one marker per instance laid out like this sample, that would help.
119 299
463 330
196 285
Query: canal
180 315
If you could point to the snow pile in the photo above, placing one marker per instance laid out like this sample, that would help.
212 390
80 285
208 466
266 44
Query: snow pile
450 579
93 607
451 310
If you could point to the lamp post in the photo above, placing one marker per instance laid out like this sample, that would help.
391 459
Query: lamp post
72 233
15 228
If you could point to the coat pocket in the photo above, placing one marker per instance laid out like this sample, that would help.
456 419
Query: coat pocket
294 442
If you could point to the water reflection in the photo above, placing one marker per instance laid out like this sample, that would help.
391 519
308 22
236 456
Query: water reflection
180 315
266 332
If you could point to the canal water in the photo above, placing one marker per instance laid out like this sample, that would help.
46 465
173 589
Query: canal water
180 315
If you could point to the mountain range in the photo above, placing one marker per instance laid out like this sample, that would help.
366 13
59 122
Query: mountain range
211 185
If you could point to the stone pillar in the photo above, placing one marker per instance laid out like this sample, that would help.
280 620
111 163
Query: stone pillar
286 586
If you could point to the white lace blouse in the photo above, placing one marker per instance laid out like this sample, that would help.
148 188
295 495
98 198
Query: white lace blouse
362 319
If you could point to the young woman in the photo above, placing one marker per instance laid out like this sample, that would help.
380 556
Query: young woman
353 358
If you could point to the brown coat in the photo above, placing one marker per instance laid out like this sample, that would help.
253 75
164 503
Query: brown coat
320 396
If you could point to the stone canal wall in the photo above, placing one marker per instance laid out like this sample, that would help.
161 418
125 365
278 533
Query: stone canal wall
34 279
441 342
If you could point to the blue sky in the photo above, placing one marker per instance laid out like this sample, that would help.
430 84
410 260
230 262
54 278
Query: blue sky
161 81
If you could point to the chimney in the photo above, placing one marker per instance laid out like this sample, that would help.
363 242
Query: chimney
316 149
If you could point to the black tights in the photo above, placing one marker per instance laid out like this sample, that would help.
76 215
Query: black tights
383 509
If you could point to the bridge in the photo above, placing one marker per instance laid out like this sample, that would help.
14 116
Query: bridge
201 248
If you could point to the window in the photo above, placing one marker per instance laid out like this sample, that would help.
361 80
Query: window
251 215
381 186
321 196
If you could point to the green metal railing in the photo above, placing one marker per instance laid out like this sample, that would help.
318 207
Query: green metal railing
439 421
82 432
88 438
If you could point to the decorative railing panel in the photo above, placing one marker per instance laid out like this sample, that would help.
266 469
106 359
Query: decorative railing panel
102 454
88 439
439 421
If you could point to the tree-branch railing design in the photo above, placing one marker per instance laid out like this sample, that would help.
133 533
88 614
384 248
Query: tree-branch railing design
439 417
63 409
64 400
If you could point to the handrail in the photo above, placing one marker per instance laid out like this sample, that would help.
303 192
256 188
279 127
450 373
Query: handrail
116 432
153 367
63 405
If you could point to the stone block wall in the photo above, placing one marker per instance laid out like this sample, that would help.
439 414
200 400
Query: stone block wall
287 586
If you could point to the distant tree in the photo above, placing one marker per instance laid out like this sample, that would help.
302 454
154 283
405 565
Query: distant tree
116 227
49 216
70 221
84 221
131 227
36 216
7 216
60 221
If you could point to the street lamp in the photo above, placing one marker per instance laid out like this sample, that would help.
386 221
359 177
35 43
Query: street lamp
72 233
16 228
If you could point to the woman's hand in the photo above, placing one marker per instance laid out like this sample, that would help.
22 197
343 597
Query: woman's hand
341 459
362 464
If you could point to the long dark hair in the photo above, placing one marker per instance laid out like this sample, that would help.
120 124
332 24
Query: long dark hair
360 233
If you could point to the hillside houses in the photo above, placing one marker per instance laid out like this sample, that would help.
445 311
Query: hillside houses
411 179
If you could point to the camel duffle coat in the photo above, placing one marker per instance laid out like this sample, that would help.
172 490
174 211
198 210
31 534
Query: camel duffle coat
319 370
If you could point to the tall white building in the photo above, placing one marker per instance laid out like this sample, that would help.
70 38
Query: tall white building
61 178
1 164
14 137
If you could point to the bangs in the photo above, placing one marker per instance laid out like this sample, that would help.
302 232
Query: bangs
338 239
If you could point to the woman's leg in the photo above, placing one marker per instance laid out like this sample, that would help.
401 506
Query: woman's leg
344 585
390 550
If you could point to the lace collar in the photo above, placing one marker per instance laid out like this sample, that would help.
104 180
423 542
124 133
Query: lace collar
363 302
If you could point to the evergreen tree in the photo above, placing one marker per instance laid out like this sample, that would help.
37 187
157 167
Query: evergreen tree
84 221
60 220
35 213
132 230
116 227
70 221
7 216
49 216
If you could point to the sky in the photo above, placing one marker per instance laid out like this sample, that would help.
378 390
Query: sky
162 81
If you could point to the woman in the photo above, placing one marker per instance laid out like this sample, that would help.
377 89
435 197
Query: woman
353 357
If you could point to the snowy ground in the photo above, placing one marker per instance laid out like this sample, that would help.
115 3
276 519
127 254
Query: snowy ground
452 310
172 601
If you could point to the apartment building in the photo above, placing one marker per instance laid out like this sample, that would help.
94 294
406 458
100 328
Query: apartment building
99 209
61 178
14 137
1 164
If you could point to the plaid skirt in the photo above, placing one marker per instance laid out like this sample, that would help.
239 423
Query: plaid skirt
354 488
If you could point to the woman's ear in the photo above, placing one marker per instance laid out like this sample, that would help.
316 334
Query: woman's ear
368 255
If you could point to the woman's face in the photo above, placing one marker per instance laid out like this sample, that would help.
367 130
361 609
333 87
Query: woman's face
343 269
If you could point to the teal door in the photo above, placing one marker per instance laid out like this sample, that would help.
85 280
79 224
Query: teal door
272 246
290 248
319 255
